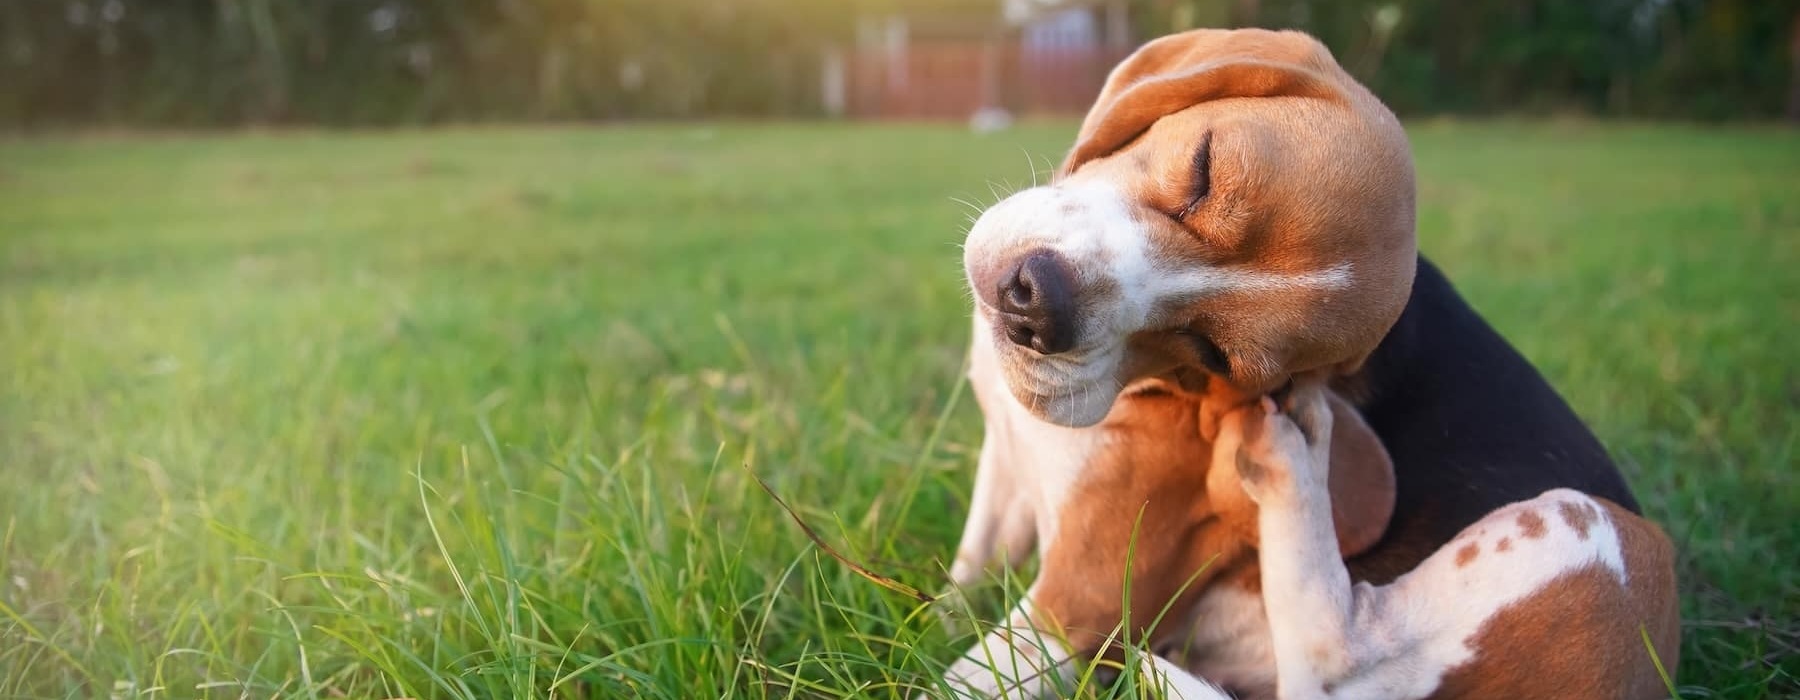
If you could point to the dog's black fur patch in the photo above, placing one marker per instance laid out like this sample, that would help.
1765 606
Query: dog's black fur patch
1471 426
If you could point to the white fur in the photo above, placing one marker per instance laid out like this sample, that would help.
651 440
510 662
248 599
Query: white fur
1098 231
1204 281
1016 660
1227 640
1019 661
1026 469
1336 640
1175 682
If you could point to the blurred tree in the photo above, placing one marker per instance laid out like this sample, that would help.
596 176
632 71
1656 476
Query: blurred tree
1793 108
219 62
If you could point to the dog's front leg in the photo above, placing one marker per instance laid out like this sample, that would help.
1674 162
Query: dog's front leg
1020 660
1001 524
1318 623
1003 509
1002 521
1015 660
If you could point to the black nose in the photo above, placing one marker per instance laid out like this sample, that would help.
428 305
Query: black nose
1037 303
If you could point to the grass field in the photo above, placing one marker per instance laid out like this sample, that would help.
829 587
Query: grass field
464 413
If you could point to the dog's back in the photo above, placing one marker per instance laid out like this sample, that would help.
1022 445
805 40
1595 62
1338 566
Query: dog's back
1470 425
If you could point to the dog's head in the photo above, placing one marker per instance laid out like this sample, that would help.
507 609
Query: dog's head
1234 205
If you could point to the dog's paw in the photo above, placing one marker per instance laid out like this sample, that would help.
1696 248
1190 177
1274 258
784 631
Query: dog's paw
1259 456
1280 442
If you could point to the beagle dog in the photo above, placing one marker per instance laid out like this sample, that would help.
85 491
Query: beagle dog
1235 219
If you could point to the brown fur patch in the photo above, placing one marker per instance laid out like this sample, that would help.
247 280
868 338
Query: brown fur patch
1519 652
1578 517
1361 480
1504 544
1154 479
1531 525
1467 554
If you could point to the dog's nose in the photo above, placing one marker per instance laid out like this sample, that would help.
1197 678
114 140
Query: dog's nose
1036 301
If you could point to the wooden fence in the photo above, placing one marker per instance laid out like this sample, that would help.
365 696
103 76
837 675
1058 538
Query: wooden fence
953 79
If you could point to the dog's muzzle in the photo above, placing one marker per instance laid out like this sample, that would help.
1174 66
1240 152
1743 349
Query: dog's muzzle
1058 274
1033 297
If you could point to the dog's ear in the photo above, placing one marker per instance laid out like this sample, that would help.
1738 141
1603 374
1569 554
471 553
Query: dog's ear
1362 479
1179 71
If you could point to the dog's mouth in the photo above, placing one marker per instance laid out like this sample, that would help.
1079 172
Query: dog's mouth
1071 407
1075 389
1079 389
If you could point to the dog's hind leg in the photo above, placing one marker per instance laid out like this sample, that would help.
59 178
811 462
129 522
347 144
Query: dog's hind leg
1548 597
1281 463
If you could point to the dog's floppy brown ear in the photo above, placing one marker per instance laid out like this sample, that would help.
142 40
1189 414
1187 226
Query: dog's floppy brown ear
1362 479
1179 71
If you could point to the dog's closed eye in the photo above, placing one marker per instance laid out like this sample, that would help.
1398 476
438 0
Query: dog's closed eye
1209 354
1202 182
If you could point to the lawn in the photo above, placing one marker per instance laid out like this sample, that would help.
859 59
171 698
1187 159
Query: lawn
466 413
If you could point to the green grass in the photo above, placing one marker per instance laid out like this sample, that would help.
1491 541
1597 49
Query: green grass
463 413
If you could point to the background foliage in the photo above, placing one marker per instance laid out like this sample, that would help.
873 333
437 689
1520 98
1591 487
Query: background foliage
226 62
